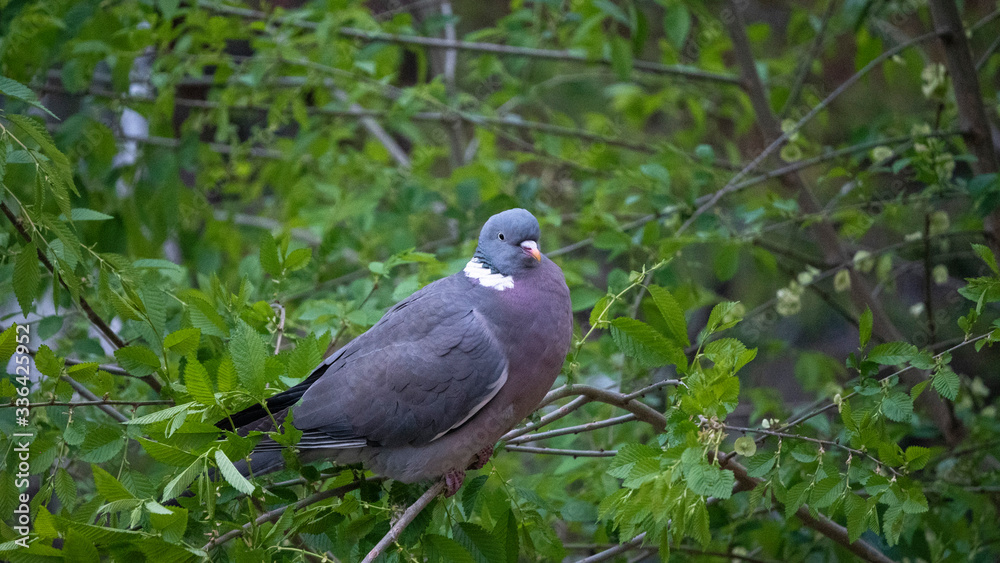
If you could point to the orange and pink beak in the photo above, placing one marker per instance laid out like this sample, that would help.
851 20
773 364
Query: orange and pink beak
531 247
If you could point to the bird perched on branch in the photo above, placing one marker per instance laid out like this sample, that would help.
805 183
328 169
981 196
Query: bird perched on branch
429 389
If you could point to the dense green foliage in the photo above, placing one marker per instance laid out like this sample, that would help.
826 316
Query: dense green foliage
785 361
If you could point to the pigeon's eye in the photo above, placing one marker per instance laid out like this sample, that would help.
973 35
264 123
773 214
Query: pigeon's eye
500 236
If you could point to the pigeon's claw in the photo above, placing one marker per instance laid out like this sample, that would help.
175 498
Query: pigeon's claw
453 481
482 457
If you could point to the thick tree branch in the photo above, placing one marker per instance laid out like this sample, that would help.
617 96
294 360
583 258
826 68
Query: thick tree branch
968 100
88 394
616 550
96 403
573 429
404 520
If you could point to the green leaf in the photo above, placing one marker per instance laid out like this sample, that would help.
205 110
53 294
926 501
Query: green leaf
438 548
893 353
596 314
986 255
65 487
917 457
26 277
249 356
231 474
946 383
676 24
14 89
470 493
304 358
184 341
160 415
167 454
101 444
897 406
826 492
178 484
197 382
47 363
621 56
760 464
865 326
172 523
479 542
269 260
672 314
505 531
298 259
644 343
225 378
84 214
109 487
79 549
137 360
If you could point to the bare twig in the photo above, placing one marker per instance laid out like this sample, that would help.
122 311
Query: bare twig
87 394
96 403
616 550
573 429
404 520
375 129
557 451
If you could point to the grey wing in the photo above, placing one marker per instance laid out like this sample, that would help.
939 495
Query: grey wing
421 372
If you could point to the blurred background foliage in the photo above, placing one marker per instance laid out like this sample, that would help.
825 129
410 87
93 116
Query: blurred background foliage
203 199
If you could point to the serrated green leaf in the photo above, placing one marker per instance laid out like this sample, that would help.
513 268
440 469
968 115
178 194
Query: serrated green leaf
14 89
897 406
160 415
65 487
761 463
109 487
986 255
865 324
26 277
231 474
178 484
642 342
101 444
47 362
298 259
917 457
249 356
893 353
441 549
184 341
304 358
197 382
479 542
826 491
672 314
225 378
470 493
946 383
269 260
167 454
137 360
84 214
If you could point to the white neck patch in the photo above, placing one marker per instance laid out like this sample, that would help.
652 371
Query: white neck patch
482 273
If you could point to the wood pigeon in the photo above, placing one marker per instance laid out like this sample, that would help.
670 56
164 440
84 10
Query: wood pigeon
429 389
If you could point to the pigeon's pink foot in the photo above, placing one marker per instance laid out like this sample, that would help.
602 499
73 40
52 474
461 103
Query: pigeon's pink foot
453 481
482 457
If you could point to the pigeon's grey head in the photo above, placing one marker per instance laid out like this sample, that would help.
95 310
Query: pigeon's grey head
508 242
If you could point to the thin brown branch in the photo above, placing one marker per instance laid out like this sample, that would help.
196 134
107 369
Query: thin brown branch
404 520
273 515
558 451
590 426
820 523
614 551
546 419
96 403
88 394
